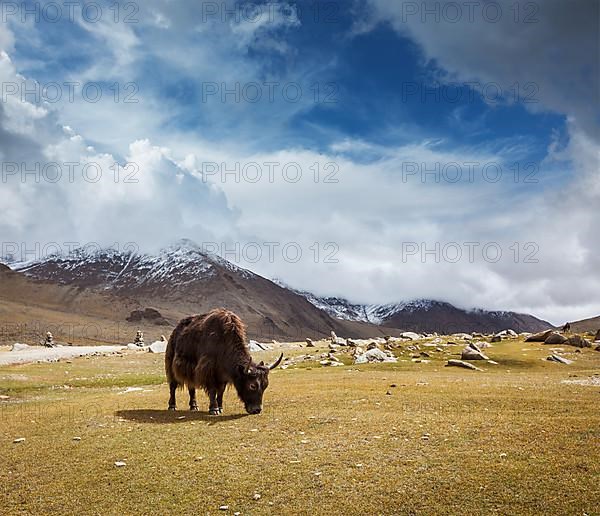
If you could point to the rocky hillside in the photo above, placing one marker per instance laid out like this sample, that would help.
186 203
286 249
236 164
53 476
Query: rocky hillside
592 324
181 280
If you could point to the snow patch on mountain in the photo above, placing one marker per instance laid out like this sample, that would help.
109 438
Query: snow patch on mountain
179 264
343 309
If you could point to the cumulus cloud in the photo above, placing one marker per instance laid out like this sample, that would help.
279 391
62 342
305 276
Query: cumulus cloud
551 45
357 209
58 188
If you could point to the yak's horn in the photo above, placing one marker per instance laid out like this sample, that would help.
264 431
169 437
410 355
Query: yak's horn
273 366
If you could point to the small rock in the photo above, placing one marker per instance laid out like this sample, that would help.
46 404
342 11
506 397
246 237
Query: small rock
460 363
256 496
19 440
120 464
224 507
464 336
559 359
77 438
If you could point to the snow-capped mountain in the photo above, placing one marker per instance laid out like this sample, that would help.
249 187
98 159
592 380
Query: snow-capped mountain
182 279
177 265
425 315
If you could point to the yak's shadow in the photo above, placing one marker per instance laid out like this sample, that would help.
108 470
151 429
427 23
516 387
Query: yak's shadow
173 416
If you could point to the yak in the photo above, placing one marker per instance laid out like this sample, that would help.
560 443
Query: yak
209 351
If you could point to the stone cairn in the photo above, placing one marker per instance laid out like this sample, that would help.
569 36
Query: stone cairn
49 340
139 339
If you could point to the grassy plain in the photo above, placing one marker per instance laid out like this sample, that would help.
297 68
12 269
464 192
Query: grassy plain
405 438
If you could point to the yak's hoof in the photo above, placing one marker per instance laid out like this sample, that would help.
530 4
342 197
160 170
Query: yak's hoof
194 408
172 407
220 409
214 411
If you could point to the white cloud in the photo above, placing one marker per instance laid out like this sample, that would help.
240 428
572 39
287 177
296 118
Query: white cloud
368 214
552 45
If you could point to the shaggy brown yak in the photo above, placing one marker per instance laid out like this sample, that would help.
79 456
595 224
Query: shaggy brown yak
209 351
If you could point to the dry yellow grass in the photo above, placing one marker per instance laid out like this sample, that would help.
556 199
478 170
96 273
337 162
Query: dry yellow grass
511 440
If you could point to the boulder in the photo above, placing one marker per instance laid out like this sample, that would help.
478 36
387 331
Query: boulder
555 338
559 359
18 347
410 335
539 337
460 363
159 346
330 363
578 341
472 352
496 338
374 355
597 337
255 346
309 343
464 336
506 333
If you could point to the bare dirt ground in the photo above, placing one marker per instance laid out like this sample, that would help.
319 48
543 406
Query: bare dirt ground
402 438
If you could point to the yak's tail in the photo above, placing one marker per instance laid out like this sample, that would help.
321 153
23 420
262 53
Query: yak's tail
172 346
169 356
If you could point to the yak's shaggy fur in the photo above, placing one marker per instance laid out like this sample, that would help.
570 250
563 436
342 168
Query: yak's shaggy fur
209 351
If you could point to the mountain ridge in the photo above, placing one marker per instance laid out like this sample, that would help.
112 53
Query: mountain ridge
426 315
181 279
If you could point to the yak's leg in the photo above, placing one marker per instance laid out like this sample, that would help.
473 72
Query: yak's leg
193 402
172 403
213 407
220 391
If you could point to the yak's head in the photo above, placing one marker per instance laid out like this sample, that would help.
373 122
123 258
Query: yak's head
252 382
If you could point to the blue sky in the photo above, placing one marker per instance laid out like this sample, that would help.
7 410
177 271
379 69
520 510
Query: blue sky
382 90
